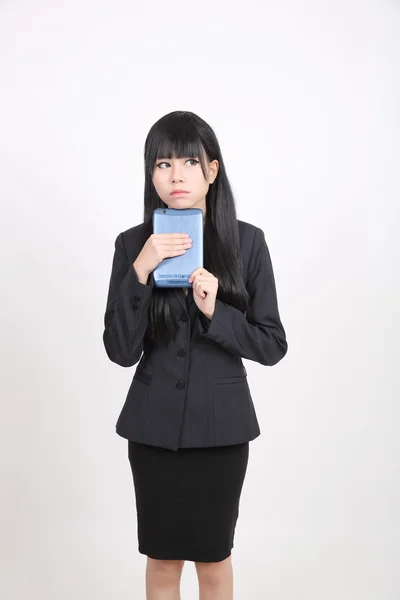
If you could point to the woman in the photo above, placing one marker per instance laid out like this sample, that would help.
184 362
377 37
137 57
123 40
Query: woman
189 415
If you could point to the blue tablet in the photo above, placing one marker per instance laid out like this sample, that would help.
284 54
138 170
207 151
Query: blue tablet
175 270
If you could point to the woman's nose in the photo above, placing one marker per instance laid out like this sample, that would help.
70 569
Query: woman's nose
176 174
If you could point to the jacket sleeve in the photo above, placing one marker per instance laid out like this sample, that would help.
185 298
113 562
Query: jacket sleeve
126 314
258 334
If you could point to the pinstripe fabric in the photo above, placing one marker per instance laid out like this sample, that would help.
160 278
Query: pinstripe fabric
193 392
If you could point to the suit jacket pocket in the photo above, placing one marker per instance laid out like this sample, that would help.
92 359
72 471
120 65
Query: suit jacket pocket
229 381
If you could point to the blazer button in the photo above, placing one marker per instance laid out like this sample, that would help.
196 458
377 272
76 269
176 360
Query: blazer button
181 384
135 306
137 298
182 352
184 318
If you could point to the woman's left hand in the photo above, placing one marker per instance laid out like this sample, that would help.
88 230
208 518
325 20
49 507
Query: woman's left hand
205 287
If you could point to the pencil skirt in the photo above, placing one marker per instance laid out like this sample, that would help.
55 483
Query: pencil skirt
187 501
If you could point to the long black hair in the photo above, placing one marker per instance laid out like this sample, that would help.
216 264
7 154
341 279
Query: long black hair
184 134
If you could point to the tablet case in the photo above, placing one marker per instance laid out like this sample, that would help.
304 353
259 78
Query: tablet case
174 271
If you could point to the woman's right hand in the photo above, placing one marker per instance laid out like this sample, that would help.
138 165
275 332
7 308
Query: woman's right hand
157 247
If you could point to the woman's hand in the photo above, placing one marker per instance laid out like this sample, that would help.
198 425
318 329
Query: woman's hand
159 246
205 287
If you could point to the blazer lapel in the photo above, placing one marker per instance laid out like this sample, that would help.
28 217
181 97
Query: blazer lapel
190 298
184 301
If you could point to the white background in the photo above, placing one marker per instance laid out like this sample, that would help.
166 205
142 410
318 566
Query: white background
303 97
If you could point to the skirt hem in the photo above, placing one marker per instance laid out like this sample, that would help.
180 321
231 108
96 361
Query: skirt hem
196 557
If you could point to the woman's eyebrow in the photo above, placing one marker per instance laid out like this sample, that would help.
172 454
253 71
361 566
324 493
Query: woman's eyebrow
180 158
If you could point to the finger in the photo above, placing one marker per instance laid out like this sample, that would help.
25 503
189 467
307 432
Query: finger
166 248
175 246
204 278
173 240
205 286
198 271
199 291
170 235
208 281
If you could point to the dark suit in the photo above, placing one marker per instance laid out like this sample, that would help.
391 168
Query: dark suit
193 392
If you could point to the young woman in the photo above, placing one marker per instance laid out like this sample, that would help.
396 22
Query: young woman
189 415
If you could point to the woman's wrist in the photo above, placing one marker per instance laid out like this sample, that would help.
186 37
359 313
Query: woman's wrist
142 274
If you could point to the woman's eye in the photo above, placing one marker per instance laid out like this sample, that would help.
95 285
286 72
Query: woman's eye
193 160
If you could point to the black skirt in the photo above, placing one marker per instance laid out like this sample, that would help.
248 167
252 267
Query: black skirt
187 501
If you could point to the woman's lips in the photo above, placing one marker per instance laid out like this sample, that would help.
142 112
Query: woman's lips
179 193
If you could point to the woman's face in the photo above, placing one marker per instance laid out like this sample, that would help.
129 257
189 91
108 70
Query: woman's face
172 174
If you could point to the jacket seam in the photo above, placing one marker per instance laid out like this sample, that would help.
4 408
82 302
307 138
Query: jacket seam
252 254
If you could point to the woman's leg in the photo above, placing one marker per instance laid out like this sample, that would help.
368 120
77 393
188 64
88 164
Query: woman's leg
215 579
163 578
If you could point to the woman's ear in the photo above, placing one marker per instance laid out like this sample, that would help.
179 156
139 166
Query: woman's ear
212 171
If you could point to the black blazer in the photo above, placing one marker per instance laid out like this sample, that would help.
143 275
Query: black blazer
193 392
